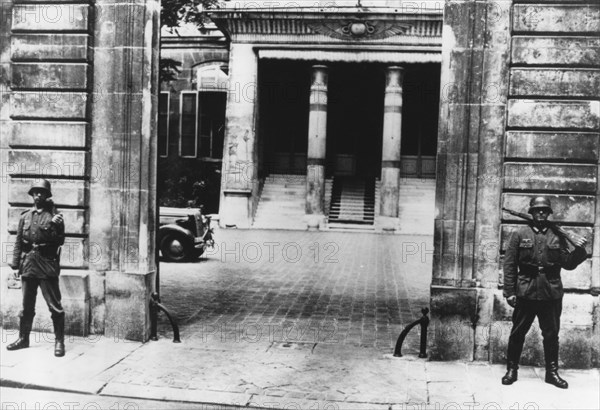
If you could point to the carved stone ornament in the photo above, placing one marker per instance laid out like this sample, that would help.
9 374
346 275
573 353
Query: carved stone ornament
360 29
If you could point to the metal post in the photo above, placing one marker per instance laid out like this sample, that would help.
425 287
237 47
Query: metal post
424 322
424 325
153 319
155 306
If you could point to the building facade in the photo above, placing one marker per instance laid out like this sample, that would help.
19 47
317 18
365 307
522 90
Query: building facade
507 93
320 92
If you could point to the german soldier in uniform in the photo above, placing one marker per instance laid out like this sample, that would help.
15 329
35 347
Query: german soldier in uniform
532 286
40 234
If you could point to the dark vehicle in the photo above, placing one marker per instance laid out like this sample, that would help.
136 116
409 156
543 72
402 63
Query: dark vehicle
183 233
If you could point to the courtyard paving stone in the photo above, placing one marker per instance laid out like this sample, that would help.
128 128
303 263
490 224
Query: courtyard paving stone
328 287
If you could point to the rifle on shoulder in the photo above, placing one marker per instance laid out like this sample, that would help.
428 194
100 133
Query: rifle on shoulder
558 230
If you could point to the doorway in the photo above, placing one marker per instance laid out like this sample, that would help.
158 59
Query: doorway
420 112
355 119
284 92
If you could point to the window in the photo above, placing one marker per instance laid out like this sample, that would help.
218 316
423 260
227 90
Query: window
212 77
188 124
163 123
202 113
212 124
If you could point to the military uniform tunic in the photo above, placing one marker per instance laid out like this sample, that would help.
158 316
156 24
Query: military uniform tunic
532 264
533 261
35 255
38 239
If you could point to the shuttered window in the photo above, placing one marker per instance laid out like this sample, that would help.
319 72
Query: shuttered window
163 123
188 124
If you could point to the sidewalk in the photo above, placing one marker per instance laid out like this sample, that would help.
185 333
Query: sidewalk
272 374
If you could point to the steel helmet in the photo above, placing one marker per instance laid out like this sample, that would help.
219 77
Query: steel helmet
539 202
41 184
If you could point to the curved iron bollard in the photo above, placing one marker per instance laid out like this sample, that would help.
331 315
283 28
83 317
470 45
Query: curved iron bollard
424 322
155 306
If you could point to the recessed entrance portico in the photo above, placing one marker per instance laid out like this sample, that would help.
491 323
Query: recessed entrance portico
343 122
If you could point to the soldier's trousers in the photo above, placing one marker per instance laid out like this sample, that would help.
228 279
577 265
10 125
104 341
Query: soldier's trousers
51 293
548 314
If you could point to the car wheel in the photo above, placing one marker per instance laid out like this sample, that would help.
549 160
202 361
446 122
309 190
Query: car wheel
175 248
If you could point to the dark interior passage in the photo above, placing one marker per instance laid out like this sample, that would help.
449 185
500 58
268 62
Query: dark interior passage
355 119
284 92
356 95
421 99
420 112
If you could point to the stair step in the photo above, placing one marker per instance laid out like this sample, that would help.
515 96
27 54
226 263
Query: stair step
350 226
353 217
352 204
352 210
282 202
345 208
352 221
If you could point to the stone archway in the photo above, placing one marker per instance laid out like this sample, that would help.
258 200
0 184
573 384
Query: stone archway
80 109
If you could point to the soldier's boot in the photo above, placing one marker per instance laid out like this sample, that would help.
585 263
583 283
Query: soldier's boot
23 341
553 378
59 334
511 373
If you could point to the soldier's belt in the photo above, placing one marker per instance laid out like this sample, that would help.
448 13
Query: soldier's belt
46 249
532 270
536 270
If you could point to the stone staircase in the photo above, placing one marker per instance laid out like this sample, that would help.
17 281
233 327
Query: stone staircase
282 203
352 203
417 206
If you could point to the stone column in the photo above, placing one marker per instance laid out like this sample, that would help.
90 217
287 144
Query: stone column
239 184
317 139
474 90
123 156
392 137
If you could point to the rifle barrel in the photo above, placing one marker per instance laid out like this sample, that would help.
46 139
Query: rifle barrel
553 225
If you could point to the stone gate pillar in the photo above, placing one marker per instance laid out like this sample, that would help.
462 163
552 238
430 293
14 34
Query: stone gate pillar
474 89
239 184
519 118
122 206
317 141
392 137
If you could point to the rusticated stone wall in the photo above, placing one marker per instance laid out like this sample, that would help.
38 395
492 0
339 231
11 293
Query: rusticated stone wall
79 109
46 130
5 26
531 127
49 110
552 147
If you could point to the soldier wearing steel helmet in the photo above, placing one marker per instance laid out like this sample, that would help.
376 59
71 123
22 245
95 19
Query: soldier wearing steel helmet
40 234
533 261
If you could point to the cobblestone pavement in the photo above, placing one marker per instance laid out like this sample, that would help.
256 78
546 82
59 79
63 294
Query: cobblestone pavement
329 287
